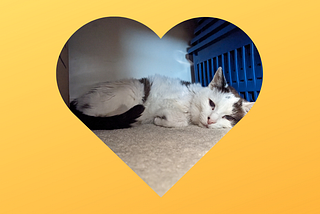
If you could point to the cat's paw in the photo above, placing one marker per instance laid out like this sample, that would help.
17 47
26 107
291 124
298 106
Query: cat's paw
158 121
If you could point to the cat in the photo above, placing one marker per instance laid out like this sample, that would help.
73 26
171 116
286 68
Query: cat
163 101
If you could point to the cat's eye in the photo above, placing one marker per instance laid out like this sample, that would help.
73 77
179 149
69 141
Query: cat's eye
211 103
228 117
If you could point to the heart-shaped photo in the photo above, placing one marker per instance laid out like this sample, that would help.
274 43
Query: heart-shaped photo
159 104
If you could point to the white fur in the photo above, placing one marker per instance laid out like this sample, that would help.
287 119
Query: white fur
168 103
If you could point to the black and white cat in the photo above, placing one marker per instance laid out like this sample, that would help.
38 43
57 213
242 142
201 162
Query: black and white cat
164 101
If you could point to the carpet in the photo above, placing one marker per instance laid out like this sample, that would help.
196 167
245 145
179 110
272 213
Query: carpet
161 156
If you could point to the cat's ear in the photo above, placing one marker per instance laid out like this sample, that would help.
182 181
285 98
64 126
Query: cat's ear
218 81
247 106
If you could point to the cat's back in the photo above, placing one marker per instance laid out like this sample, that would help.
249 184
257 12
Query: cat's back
167 93
166 87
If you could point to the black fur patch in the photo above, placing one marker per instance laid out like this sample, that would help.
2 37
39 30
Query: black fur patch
223 89
237 112
186 83
147 87
234 91
108 123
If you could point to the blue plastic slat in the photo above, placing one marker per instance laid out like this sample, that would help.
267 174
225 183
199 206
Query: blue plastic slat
213 37
208 72
253 64
202 25
257 61
204 73
239 65
207 31
236 67
229 66
200 74
217 63
196 71
212 69
222 63
244 64
248 61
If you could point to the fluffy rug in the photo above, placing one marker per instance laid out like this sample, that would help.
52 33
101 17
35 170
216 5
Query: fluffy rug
161 156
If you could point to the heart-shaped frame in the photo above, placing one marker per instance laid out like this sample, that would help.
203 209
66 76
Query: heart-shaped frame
114 48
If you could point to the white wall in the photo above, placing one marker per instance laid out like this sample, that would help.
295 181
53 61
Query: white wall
114 48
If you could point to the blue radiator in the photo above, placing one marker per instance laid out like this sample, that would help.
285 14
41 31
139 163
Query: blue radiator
218 43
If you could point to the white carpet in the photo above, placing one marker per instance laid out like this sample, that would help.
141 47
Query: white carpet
161 156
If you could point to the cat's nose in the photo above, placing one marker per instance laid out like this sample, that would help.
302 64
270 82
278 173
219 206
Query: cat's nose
210 121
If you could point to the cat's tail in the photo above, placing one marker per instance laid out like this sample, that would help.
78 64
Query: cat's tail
120 121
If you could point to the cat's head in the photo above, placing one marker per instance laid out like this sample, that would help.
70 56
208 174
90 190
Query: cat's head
218 105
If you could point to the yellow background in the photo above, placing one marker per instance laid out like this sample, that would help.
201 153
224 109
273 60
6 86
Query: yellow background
268 163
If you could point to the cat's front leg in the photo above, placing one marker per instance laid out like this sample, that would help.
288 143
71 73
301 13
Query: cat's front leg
171 120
